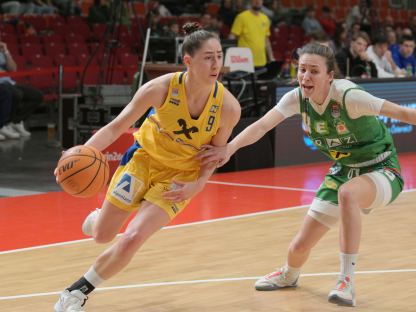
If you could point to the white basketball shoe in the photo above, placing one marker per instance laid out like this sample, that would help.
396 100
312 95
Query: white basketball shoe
276 280
343 294
71 301
89 222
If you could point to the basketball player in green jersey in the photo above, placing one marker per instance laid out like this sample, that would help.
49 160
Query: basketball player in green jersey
340 118
159 174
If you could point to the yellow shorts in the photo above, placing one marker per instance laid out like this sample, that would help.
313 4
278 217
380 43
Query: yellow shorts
139 177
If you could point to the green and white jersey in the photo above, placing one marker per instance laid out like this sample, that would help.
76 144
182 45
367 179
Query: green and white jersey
345 126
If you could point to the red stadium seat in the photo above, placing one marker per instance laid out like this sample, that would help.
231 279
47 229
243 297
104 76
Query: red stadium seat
40 61
53 48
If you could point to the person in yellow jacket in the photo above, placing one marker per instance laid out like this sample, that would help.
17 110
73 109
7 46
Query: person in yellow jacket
159 174
252 29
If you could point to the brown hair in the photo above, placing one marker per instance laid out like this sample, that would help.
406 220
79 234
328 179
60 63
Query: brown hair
195 36
321 50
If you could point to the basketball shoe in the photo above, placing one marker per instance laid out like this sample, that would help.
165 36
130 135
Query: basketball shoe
276 280
343 293
89 222
71 301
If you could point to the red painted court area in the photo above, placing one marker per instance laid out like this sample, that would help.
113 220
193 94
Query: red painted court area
28 221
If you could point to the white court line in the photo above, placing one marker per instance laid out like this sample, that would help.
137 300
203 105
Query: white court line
263 186
248 215
214 280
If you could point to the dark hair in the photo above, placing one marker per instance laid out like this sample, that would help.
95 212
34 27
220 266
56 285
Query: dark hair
380 38
321 50
406 38
195 36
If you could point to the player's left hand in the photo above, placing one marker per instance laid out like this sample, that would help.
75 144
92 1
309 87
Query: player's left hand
181 191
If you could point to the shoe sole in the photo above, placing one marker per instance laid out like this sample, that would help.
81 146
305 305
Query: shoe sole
341 301
272 287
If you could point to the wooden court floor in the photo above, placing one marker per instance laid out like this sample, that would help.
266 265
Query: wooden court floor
235 231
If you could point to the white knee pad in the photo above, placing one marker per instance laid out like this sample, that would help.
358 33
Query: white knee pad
324 212
383 191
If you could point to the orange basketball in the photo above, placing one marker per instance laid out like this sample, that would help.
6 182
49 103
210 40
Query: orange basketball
82 171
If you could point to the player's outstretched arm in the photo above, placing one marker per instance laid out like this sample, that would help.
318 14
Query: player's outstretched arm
402 113
153 93
248 136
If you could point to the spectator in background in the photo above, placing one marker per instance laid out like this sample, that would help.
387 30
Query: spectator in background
226 12
327 21
354 61
281 14
172 30
361 13
404 57
5 112
44 7
240 6
163 11
412 25
252 29
341 40
9 7
392 41
25 99
380 55
99 13
310 24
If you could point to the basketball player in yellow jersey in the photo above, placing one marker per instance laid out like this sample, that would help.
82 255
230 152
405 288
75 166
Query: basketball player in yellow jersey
158 175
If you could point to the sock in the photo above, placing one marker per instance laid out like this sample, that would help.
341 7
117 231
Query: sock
291 273
87 283
348 263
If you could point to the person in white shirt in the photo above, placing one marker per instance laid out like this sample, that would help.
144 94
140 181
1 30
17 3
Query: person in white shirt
380 55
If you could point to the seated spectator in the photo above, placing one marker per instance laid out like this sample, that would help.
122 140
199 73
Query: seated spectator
361 14
25 99
44 7
99 13
9 7
341 39
172 30
380 54
5 113
226 12
354 61
327 21
163 11
281 14
310 24
404 57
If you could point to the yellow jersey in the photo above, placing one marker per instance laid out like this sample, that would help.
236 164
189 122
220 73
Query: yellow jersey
252 31
171 136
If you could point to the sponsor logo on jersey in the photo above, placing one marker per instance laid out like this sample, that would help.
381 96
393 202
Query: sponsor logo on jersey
127 188
175 92
174 101
335 110
333 142
331 184
319 142
341 127
185 130
350 139
321 126
338 155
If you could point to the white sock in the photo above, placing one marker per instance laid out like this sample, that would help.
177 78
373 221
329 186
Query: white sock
291 273
93 277
348 263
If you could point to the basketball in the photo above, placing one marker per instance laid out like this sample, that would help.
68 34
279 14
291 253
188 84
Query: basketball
82 171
